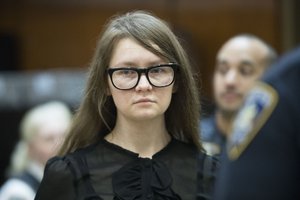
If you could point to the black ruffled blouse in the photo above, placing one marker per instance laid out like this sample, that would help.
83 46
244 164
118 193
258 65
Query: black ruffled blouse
105 171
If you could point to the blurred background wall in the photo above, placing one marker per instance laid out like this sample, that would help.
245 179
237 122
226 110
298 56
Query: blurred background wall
46 45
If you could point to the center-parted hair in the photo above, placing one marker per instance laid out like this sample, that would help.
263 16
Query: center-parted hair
97 114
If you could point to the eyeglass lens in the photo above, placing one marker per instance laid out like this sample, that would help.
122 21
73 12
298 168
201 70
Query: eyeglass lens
128 78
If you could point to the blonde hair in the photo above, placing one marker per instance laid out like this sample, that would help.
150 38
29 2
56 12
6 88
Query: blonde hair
97 113
30 123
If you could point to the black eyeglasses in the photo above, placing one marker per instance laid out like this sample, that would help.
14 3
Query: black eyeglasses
126 78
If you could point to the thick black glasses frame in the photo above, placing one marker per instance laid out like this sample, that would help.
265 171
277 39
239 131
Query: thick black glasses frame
141 71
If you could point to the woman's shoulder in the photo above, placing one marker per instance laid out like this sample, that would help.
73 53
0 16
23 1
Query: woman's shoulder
66 166
184 147
208 163
181 148
60 164
57 168
57 182
190 149
187 151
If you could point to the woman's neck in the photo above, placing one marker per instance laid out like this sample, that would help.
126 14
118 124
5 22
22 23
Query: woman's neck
144 138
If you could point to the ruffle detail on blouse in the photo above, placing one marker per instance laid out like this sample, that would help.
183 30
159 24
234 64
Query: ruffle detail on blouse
143 179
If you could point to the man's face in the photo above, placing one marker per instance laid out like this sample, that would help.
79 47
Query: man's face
240 62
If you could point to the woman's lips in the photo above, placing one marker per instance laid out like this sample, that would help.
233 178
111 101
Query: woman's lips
144 100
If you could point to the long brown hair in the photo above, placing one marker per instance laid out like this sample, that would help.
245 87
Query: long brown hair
96 115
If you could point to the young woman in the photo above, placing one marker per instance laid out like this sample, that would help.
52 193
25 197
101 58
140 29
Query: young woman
135 135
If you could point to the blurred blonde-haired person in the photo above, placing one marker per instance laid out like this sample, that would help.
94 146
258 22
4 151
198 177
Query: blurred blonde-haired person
42 129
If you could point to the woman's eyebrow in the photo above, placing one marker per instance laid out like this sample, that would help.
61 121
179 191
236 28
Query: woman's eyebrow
134 64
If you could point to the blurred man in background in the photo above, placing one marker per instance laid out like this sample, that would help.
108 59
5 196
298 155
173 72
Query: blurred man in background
42 130
262 157
239 63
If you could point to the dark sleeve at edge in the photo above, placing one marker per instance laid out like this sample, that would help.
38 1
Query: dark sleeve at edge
57 182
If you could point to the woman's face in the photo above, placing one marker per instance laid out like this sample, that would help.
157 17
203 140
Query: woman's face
49 136
144 101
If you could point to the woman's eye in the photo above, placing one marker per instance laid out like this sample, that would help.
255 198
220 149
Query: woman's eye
125 72
157 70
161 70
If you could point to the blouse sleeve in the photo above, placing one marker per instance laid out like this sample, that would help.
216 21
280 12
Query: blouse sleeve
207 170
58 181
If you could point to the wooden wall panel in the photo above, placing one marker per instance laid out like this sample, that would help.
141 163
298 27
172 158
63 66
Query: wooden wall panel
57 34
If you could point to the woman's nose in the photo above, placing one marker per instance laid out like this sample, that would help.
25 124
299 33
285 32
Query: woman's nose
143 83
